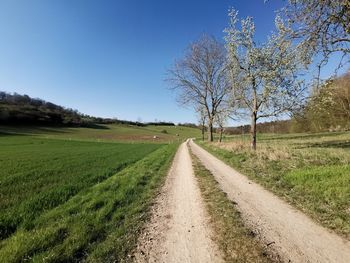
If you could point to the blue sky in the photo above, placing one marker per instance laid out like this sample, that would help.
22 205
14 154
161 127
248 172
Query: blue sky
109 58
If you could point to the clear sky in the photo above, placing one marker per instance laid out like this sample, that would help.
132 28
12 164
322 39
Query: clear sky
109 58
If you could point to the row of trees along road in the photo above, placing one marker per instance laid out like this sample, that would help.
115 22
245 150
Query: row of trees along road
260 80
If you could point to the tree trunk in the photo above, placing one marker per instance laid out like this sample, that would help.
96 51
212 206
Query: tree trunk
220 138
210 130
254 117
253 131
203 127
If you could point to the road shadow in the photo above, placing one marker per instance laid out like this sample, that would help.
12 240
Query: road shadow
96 126
3 133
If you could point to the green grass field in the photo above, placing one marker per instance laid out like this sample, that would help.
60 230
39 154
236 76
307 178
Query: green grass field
311 171
108 133
66 195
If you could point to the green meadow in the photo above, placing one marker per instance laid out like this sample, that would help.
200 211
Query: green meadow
108 133
71 194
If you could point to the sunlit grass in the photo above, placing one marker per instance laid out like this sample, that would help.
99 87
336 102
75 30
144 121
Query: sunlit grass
309 170
39 174
99 220
108 133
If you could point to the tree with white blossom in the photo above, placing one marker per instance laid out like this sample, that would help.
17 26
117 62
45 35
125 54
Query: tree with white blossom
221 119
263 76
319 28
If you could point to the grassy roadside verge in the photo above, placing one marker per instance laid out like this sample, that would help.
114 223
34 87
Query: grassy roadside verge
234 239
100 224
312 173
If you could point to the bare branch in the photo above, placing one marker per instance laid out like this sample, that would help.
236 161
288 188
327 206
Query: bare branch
200 78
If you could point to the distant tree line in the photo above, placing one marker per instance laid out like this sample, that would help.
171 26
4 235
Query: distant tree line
100 120
280 126
187 124
160 123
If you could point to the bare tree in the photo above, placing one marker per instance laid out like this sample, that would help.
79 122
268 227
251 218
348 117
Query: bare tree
263 76
200 78
319 27
202 117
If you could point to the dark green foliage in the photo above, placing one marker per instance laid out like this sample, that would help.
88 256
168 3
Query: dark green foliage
160 123
15 108
189 125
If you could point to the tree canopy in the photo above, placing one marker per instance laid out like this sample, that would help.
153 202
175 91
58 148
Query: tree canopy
200 78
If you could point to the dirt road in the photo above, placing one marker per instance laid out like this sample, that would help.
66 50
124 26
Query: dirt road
179 230
286 230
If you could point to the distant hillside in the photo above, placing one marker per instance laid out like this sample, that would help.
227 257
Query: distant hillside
22 109
16 108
